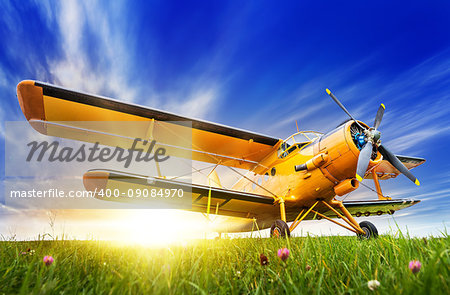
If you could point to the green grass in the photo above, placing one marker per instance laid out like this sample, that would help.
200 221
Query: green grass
339 265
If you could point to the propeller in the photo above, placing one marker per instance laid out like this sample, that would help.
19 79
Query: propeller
371 137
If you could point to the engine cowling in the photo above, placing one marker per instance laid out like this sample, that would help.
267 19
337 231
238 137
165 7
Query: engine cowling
342 145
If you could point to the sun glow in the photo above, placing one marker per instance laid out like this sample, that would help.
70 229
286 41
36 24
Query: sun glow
163 227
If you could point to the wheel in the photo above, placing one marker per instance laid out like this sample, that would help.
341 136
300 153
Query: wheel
369 229
280 229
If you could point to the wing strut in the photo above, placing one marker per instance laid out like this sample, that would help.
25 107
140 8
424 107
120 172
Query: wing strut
378 187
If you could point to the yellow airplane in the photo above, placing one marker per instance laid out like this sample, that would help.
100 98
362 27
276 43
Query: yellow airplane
287 180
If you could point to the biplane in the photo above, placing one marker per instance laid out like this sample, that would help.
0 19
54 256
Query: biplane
289 180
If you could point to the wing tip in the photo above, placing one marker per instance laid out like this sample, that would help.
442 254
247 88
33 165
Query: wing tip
328 91
417 182
359 177
383 106
95 180
31 100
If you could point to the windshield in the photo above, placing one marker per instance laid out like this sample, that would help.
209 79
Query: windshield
297 140
302 137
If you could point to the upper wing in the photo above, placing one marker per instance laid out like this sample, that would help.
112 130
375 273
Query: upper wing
213 143
385 170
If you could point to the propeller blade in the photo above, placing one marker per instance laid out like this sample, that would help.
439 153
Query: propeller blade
363 160
397 164
342 106
379 116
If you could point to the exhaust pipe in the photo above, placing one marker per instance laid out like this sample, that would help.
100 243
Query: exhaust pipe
313 163
346 186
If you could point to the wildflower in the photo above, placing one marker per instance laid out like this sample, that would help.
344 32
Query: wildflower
415 266
238 273
48 260
308 267
374 284
283 253
28 252
263 259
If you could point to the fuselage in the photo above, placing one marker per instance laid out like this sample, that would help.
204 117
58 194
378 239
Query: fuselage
330 165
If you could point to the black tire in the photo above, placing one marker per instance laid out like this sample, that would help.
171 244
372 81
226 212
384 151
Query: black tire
280 229
370 230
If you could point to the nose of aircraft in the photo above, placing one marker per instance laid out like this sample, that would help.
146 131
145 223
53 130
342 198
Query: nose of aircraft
374 144
343 146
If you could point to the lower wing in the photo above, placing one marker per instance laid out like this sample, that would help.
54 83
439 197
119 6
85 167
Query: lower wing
375 207
226 202
205 199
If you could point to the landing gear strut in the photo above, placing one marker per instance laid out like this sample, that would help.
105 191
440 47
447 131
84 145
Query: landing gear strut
370 231
280 229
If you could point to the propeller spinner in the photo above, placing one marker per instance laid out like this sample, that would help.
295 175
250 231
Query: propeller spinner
372 139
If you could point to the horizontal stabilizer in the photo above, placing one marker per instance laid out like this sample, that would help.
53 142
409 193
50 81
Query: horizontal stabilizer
385 170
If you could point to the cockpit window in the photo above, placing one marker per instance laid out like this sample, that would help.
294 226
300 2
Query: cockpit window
297 140
286 150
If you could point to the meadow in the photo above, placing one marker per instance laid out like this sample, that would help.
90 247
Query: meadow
316 265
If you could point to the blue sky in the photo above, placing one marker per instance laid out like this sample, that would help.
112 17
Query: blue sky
254 66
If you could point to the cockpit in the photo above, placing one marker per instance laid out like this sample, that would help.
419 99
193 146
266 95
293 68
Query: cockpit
297 141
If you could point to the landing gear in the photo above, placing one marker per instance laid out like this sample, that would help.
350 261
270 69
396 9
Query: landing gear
280 229
370 231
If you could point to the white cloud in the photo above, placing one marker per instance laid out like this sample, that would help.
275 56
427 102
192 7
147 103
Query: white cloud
75 69
47 9
3 79
109 32
414 139
196 105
